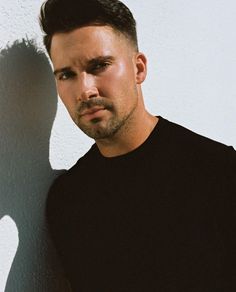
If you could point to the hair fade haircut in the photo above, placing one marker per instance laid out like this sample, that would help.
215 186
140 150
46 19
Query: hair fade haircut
66 15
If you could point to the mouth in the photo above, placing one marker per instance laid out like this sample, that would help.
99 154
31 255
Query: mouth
92 113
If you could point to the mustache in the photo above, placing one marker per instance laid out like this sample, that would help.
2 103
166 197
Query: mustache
84 105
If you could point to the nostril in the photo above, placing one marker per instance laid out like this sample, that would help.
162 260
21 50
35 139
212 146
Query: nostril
93 96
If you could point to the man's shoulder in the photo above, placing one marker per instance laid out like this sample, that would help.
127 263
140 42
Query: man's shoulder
184 139
84 161
191 152
68 179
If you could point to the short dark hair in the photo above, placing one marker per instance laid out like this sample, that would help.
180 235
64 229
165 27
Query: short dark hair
67 15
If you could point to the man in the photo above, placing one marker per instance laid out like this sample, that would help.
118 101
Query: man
151 206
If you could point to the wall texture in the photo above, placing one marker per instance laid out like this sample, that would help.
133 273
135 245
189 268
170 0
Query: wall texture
190 47
28 103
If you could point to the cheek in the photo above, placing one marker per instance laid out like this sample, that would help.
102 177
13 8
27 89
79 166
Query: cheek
124 71
118 79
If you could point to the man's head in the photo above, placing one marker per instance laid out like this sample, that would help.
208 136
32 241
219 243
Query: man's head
66 15
98 69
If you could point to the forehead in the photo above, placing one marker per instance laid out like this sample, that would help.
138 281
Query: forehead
87 42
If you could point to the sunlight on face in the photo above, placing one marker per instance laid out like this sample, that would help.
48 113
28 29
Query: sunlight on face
95 70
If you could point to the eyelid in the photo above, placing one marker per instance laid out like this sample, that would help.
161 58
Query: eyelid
70 74
99 66
95 66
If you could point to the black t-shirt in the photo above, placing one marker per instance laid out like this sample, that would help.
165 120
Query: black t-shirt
160 218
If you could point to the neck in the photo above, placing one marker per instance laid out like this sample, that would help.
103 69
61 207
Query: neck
129 137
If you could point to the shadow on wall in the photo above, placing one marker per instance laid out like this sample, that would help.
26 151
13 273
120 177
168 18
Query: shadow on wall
28 102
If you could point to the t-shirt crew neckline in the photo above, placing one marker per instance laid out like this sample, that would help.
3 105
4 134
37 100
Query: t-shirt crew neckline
140 149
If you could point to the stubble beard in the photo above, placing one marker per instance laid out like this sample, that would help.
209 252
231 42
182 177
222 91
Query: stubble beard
97 128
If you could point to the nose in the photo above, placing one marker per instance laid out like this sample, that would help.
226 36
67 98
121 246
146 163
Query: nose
87 87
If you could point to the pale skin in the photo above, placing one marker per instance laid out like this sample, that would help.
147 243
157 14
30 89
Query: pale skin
99 74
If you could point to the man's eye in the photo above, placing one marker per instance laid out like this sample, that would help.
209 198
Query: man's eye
99 67
66 75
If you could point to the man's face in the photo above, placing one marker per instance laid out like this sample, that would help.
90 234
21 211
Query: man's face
97 74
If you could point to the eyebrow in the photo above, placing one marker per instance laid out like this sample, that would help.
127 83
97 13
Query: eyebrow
89 63
99 59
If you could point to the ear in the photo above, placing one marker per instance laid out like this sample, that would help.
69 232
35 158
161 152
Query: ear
141 67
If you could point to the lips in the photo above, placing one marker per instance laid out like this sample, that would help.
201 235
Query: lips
92 111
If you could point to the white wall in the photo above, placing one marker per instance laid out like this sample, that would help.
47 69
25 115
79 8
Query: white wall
191 49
